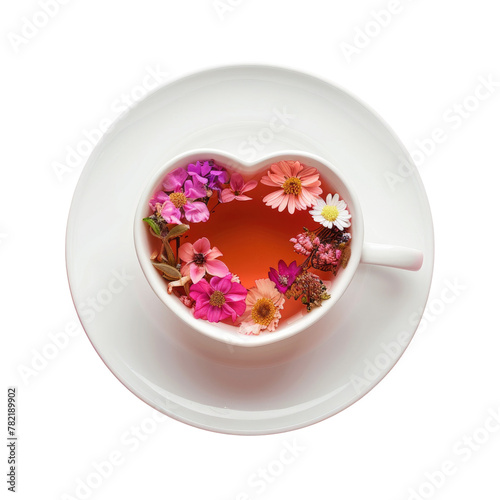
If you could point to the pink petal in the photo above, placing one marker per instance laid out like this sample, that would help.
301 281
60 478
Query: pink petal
216 268
300 202
185 269
196 272
196 211
186 252
201 246
202 299
236 293
316 190
175 179
291 204
227 311
227 195
194 189
277 179
310 181
242 197
284 167
237 182
284 203
237 306
200 312
170 213
221 284
249 186
159 197
296 168
200 291
213 254
213 314
274 197
267 181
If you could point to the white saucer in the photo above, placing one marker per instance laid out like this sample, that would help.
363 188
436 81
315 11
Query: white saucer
200 381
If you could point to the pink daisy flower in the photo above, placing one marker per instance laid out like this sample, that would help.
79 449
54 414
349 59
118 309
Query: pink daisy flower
219 299
237 187
298 186
263 304
200 259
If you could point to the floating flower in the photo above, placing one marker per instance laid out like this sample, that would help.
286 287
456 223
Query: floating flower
200 259
332 212
237 187
305 243
299 186
181 202
284 277
219 299
263 304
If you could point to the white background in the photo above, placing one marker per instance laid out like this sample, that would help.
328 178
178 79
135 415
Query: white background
72 73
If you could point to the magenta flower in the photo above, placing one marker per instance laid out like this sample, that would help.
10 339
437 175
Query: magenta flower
237 187
219 299
200 171
181 202
284 277
200 259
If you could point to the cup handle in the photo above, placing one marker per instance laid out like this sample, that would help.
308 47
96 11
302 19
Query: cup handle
392 256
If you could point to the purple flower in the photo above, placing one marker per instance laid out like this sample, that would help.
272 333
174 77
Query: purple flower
200 170
217 179
218 176
284 277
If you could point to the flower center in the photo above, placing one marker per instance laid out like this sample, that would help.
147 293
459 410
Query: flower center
330 213
199 259
178 199
263 311
283 280
217 299
293 185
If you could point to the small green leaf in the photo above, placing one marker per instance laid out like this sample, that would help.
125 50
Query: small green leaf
154 226
177 231
170 272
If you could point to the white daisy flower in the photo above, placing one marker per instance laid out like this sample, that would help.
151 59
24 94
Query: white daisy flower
331 212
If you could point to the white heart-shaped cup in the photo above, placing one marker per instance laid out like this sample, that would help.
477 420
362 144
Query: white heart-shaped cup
361 252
